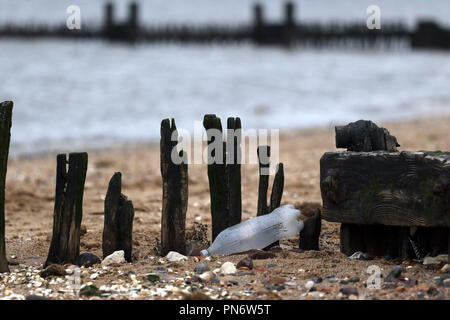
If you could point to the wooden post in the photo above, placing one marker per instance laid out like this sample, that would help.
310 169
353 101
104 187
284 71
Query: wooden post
258 15
118 223
109 17
233 171
175 192
276 195
68 211
5 137
264 163
217 177
277 188
309 236
289 10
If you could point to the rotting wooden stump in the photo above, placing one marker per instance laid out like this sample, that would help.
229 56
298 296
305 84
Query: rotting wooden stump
68 210
233 170
309 236
118 223
5 137
175 192
224 172
264 164
277 187
388 202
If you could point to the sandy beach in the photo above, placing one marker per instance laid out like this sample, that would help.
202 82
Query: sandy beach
29 218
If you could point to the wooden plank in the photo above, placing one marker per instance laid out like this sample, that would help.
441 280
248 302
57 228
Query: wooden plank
5 137
175 193
68 211
390 188
118 222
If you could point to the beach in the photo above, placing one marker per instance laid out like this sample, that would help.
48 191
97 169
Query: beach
30 189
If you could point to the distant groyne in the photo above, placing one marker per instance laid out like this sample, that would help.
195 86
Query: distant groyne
285 33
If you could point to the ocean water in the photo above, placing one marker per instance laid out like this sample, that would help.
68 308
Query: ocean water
70 95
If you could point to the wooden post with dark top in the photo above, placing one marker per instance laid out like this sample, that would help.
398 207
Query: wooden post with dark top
264 163
217 177
5 137
233 171
68 211
118 224
175 192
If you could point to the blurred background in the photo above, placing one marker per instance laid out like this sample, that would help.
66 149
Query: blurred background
97 93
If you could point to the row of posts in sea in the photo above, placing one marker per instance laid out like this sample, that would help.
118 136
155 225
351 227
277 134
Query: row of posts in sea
285 33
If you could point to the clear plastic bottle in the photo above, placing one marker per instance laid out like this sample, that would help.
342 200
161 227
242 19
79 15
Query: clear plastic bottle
258 232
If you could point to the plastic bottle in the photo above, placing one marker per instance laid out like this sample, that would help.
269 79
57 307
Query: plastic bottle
258 232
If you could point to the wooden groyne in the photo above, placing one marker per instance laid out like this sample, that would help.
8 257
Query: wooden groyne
288 32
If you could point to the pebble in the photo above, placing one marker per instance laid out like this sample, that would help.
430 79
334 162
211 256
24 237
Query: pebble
53 270
174 256
349 291
89 291
445 268
228 268
247 262
354 279
116 257
201 268
88 259
276 288
394 274
207 276
260 255
272 265
318 280
309 284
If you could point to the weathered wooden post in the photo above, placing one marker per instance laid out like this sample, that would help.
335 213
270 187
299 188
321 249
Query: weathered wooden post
68 211
118 223
224 172
175 191
133 26
233 170
388 202
277 187
277 194
5 137
216 175
109 17
309 236
264 163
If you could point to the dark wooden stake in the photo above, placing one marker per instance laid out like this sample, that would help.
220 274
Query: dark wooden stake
5 137
175 193
276 195
277 188
233 171
68 211
309 236
264 163
217 178
119 215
